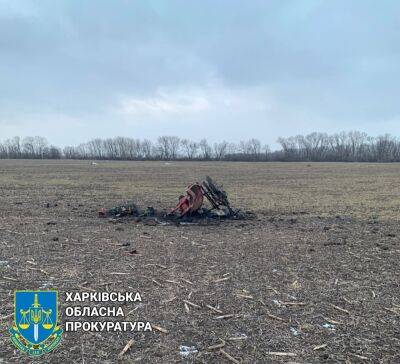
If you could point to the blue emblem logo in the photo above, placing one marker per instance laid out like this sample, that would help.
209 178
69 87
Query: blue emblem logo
35 329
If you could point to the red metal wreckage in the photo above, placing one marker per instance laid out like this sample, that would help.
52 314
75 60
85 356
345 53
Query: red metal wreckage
189 205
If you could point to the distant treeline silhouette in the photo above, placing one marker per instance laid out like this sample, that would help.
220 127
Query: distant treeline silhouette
353 146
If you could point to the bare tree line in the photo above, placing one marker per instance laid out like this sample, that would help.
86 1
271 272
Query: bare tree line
351 146
166 148
29 148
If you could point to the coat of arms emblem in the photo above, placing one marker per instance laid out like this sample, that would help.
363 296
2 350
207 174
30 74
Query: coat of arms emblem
35 330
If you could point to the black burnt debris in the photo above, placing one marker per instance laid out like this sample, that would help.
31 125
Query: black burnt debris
190 209
150 216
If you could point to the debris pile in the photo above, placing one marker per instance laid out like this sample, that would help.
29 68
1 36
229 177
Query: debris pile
194 199
189 210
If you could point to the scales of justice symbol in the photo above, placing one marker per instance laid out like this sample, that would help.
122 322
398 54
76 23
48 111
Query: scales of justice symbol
35 315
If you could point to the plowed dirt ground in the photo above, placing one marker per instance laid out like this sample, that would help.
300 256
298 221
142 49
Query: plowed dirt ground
314 278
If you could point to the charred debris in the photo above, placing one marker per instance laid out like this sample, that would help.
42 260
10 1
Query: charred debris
190 209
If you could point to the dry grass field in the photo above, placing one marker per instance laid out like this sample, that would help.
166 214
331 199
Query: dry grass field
314 278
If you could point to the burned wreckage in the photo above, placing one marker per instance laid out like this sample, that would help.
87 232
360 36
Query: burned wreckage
190 207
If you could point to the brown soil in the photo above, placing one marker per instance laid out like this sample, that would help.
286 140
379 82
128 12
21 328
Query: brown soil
315 275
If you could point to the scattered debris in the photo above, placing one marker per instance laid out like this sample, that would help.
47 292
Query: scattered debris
188 211
119 211
125 349
191 304
249 297
10 279
319 347
293 303
185 351
229 357
334 322
395 311
46 285
157 265
239 336
222 317
294 331
329 326
157 283
360 356
160 329
341 309
275 317
221 279
214 309
278 353
6 317
217 346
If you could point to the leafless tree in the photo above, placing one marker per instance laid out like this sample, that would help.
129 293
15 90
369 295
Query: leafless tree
190 148
146 147
168 147
220 150
205 149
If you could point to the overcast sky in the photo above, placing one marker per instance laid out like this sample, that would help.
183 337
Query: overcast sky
73 70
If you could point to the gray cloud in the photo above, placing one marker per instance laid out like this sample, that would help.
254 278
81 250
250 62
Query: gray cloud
239 68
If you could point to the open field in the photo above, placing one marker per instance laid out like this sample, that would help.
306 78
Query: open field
316 274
